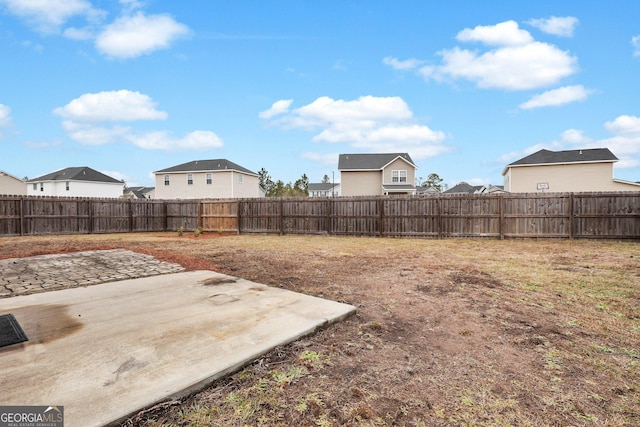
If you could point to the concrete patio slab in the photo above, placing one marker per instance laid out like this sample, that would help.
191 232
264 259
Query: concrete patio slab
107 351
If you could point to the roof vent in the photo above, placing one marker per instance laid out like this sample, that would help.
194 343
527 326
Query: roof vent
580 151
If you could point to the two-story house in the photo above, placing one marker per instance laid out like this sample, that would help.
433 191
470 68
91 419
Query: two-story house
206 179
565 171
75 182
376 174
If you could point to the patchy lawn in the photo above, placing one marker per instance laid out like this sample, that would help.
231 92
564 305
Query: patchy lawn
448 332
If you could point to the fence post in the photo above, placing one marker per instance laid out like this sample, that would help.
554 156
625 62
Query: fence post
329 210
164 216
21 215
439 217
502 209
130 215
381 217
281 217
90 215
239 216
571 217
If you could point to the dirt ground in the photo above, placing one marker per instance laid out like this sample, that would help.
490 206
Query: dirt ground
447 332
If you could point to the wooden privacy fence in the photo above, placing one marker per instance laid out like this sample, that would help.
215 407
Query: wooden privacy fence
22 215
531 215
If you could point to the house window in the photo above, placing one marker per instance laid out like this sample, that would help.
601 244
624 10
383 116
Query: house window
209 180
35 187
67 186
41 186
166 180
241 178
189 179
398 176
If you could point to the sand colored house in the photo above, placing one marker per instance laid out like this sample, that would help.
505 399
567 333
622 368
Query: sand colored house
207 179
565 171
11 185
376 174
75 182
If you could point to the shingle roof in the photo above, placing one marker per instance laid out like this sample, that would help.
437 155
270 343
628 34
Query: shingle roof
322 186
398 187
568 156
3 173
82 173
463 187
374 161
139 192
207 165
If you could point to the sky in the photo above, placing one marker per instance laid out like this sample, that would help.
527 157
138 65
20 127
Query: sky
129 87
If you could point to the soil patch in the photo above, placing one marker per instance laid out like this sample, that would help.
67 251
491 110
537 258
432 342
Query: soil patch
448 332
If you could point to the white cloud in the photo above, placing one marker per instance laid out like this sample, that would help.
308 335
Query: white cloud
132 36
78 33
92 134
503 34
524 67
5 112
131 5
85 119
635 41
511 60
323 158
624 125
405 65
48 15
557 97
558 26
162 140
278 107
374 124
121 105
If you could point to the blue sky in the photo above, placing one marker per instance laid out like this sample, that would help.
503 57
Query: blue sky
129 87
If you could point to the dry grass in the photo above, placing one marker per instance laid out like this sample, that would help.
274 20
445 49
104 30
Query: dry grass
448 332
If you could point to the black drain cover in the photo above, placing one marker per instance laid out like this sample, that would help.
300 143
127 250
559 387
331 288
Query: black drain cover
10 331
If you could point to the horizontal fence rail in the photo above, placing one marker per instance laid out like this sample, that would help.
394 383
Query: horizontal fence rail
519 215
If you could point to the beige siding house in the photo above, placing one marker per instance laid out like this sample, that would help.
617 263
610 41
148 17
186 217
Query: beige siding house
565 171
206 179
11 185
376 174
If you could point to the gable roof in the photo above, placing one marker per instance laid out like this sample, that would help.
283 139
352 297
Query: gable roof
82 173
139 192
548 157
322 186
464 188
212 165
3 173
375 161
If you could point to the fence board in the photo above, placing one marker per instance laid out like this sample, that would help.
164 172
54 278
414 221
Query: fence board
560 215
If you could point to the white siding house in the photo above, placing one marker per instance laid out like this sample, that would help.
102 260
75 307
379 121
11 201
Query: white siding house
75 182
207 179
324 189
